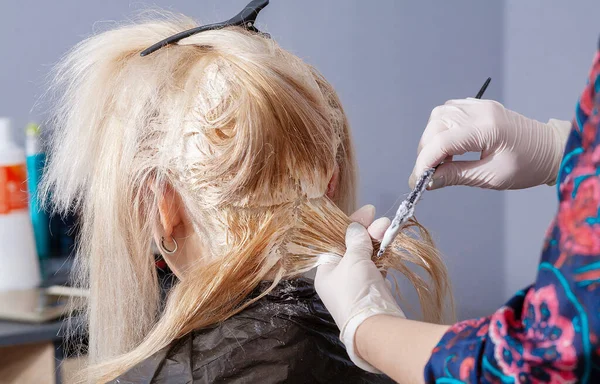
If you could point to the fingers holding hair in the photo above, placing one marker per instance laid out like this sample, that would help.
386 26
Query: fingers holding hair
364 215
358 242
378 227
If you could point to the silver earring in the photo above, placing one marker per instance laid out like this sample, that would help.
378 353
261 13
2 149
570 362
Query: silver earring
165 249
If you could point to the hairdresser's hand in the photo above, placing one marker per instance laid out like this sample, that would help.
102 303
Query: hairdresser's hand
516 152
354 289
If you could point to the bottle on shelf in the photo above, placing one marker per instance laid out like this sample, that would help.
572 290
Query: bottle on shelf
19 265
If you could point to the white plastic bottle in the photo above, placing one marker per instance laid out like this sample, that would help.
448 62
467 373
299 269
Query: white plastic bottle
19 266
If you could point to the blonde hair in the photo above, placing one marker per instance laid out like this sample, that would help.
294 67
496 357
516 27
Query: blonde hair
247 134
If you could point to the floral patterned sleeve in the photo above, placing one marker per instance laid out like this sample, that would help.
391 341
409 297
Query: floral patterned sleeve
547 333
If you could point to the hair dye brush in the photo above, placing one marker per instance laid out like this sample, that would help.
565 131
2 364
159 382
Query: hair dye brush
406 210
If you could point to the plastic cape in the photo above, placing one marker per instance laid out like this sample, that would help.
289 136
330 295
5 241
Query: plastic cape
286 337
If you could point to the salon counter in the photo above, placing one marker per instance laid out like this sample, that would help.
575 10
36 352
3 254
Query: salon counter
15 333
31 352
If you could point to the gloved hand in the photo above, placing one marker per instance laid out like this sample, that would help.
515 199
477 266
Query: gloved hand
516 152
354 289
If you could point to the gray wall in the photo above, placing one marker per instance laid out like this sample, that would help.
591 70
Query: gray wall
391 63
549 47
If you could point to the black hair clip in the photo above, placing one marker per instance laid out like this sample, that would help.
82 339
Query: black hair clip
246 19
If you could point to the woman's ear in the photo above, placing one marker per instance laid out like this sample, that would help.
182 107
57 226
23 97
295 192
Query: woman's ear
173 232
333 182
169 209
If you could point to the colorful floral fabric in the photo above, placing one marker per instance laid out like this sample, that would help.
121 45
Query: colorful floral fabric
547 333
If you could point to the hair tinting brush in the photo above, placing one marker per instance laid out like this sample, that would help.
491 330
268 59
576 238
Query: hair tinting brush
406 210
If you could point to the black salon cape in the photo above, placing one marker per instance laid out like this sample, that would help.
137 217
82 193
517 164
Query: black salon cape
285 337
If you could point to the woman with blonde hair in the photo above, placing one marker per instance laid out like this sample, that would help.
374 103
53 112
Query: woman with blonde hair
235 157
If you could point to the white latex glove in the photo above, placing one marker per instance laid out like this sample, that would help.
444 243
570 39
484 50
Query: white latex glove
354 289
516 152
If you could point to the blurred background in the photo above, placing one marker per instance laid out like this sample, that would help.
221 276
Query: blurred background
391 63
